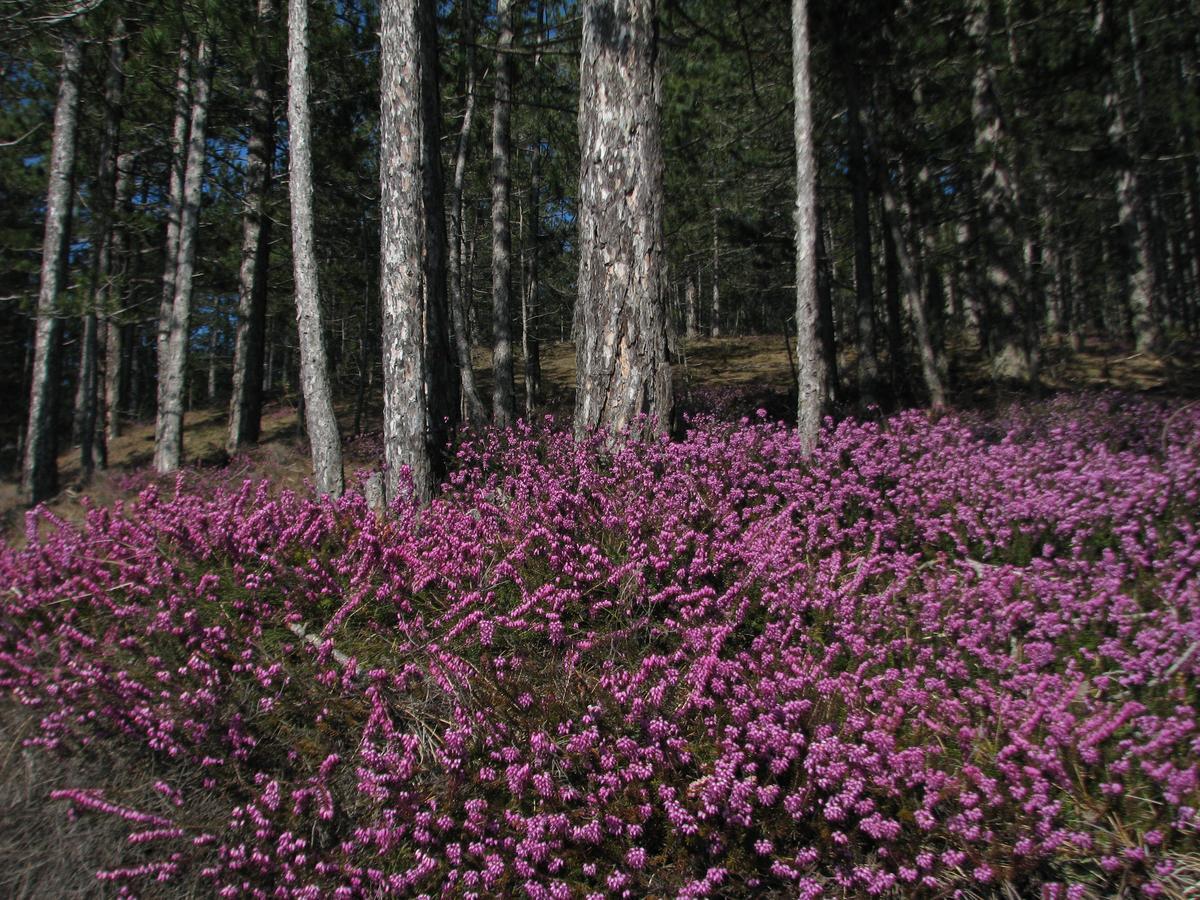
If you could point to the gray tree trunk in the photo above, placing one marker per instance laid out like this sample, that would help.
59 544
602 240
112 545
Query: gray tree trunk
246 398
116 351
175 204
324 440
39 471
1005 280
825 312
810 363
474 409
402 217
172 369
503 393
622 368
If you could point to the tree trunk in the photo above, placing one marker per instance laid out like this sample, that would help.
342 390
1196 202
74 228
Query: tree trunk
531 295
246 397
474 410
1133 208
825 313
1000 207
864 285
39 472
689 300
714 324
914 298
503 394
811 368
320 420
404 410
116 343
622 369
441 380
175 205
87 395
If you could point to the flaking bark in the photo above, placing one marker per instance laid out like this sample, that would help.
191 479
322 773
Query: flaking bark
319 418
622 368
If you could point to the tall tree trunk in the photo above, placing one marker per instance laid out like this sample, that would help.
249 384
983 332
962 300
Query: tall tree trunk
324 440
503 394
864 284
474 409
714 324
402 218
1133 207
914 298
172 371
622 369
689 302
531 295
1000 210
88 394
441 379
39 472
175 204
246 398
810 365
116 333
825 313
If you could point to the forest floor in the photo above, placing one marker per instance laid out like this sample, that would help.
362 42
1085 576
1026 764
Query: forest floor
751 371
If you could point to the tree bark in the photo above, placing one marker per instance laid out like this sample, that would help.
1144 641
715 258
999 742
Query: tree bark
474 409
103 217
864 285
914 298
503 393
39 471
825 312
1133 207
689 302
441 379
622 369
714 324
320 421
172 370
404 407
246 398
811 370
116 343
1000 238
175 204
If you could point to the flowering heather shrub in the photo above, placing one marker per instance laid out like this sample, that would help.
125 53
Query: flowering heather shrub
935 656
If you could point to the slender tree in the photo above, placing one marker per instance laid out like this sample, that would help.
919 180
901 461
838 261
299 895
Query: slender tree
320 420
172 369
473 407
622 369
442 382
39 473
503 392
1005 277
245 401
810 362
104 198
401 190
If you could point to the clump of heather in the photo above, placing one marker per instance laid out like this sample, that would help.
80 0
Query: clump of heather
934 655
